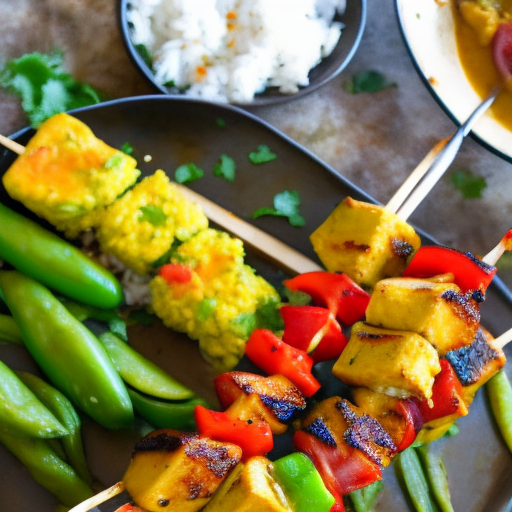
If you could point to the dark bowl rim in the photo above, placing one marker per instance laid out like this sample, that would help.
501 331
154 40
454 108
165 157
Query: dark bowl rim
264 99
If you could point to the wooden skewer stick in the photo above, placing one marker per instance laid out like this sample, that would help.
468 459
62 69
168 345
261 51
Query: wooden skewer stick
287 257
505 244
99 498
501 341
433 166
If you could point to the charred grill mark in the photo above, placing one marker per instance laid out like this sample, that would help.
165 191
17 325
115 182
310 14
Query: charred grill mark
469 362
364 335
321 431
463 306
400 248
216 457
283 409
351 245
488 269
162 442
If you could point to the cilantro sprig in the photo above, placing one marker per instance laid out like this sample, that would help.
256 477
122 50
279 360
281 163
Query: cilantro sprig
468 184
225 168
286 204
188 172
368 81
262 155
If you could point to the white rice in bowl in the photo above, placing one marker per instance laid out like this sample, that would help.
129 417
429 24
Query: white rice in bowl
230 50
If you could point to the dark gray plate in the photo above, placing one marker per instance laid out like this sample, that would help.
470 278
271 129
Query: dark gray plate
176 131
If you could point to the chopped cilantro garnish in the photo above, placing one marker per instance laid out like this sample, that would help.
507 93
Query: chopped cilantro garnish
225 168
262 155
141 317
127 148
470 186
188 172
286 204
220 122
152 214
206 308
43 86
114 161
368 81
145 55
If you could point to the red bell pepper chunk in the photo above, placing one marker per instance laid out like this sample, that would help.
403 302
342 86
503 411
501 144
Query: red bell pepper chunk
409 411
343 468
275 356
446 395
128 507
346 300
253 437
175 273
469 272
314 330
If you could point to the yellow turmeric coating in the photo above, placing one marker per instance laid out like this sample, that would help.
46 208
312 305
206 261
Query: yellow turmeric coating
217 306
141 226
66 175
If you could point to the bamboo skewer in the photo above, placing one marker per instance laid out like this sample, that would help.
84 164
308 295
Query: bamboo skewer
99 498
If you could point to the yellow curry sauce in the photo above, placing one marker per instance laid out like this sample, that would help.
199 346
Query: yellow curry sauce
475 22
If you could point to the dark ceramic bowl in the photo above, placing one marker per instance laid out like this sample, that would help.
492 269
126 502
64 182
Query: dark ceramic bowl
353 19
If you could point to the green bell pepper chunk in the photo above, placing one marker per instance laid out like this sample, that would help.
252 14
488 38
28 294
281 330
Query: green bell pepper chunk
165 414
69 354
9 330
302 483
54 262
142 374
66 414
21 413
48 469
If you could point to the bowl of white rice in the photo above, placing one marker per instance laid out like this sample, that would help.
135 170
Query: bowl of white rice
244 52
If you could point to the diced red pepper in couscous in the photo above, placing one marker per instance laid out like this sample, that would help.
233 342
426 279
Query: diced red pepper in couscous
141 226
217 306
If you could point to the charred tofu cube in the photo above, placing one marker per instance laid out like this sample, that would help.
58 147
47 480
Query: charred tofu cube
66 175
251 487
364 241
178 472
273 399
397 363
435 310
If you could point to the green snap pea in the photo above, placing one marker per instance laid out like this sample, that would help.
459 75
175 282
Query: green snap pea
364 500
64 411
48 469
68 353
411 472
20 410
54 262
164 414
499 390
436 476
142 374
9 330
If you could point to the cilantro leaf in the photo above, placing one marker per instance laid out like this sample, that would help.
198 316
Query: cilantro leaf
225 168
262 155
469 185
188 172
145 55
152 214
286 204
127 148
43 86
367 81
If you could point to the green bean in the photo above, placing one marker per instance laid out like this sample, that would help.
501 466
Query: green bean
436 476
409 466
499 390
363 500
9 330
64 411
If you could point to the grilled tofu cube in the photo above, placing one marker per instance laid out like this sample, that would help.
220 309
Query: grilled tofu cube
251 487
435 310
178 472
364 241
66 175
273 399
397 363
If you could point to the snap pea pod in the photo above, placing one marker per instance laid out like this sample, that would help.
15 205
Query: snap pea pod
48 469
408 465
363 500
162 414
20 410
64 411
142 374
436 477
499 390
69 354
54 262
9 330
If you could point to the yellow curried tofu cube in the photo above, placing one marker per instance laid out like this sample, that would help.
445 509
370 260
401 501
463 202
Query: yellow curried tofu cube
364 241
66 175
437 311
251 487
398 363
178 472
